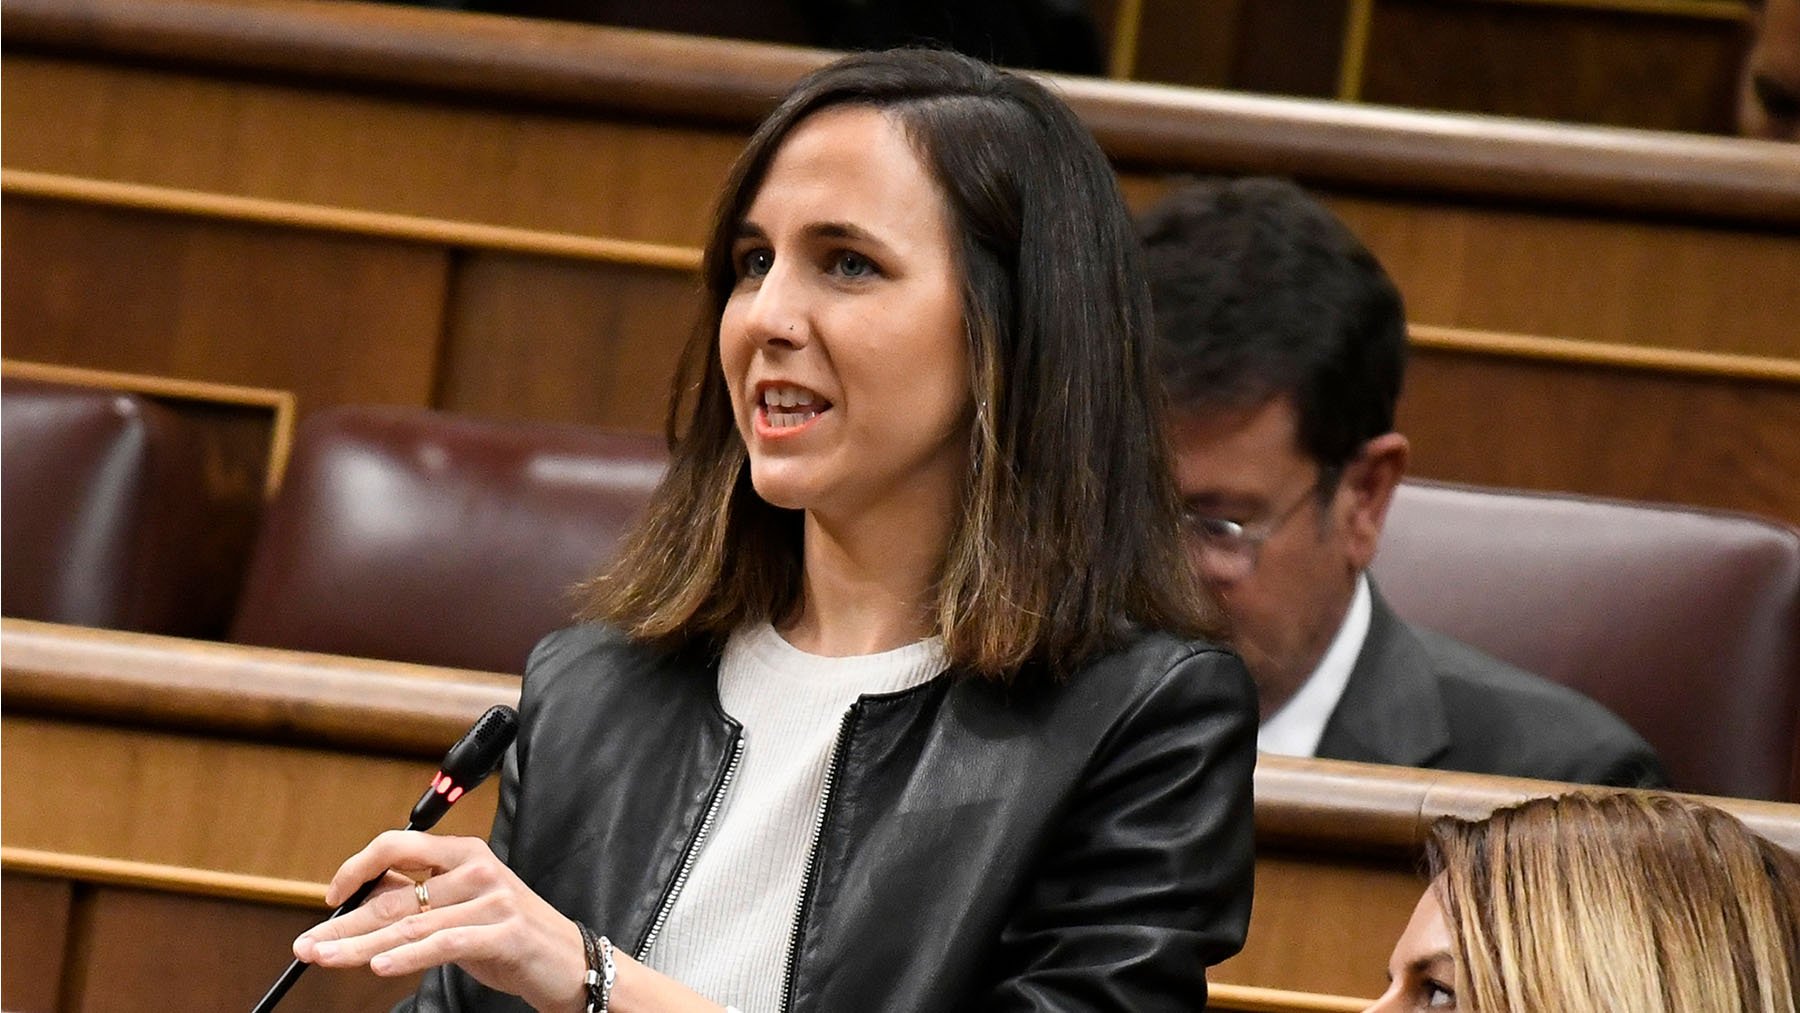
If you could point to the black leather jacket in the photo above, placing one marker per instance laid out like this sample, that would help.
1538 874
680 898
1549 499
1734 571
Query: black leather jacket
1077 846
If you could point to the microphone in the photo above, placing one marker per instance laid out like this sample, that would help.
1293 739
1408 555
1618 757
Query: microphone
467 764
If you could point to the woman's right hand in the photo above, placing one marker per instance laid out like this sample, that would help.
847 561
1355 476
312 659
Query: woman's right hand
482 917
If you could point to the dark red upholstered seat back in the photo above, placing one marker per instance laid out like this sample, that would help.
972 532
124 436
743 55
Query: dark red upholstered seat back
421 536
1685 622
108 513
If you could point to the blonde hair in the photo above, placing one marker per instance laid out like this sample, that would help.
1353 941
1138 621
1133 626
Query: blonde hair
1605 901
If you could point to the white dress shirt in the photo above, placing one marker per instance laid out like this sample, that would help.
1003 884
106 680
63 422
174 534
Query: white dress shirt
1296 728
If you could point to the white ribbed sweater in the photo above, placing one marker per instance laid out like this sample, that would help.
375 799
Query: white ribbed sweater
727 935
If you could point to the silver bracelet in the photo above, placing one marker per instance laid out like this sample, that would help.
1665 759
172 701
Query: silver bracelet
601 970
609 973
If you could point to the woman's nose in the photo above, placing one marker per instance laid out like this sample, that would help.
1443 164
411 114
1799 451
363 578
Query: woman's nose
1389 1001
777 313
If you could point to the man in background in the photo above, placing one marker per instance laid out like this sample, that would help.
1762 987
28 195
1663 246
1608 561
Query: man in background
1283 344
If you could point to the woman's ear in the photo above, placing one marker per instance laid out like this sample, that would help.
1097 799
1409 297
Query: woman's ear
1370 481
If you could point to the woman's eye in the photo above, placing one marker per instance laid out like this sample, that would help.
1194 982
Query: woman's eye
1439 996
853 265
755 263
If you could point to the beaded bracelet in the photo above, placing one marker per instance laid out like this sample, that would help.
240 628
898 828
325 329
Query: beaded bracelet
601 971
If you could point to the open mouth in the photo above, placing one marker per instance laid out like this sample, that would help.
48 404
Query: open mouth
784 408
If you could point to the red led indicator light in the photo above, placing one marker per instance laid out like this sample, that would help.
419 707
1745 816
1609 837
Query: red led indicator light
455 793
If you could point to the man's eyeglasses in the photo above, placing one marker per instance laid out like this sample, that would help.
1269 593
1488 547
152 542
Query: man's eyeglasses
1229 550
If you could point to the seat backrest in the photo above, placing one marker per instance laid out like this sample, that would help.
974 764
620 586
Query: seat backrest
1685 622
422 536
110 517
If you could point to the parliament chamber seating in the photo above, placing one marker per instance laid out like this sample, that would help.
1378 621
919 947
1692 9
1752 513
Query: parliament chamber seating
1685 622
412 535
114 515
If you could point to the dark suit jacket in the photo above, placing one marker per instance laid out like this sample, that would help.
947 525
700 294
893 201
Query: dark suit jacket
1419 699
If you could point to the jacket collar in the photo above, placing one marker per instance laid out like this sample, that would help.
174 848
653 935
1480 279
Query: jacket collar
1392 710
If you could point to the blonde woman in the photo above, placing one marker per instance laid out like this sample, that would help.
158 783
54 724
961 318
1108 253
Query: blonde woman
1597 903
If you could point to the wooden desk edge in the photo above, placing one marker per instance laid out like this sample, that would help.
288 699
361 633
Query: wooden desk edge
412 710
255 693
697 79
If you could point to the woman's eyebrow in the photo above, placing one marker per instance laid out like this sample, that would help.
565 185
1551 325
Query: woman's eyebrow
1430 960
832 230
847 230
1217 501
839 230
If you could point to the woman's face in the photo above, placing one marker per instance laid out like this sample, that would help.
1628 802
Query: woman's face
843 342
1421 973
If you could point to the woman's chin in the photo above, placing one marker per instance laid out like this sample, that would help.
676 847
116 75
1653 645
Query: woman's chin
784 491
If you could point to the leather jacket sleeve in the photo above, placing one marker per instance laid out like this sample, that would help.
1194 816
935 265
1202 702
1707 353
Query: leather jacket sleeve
1150 881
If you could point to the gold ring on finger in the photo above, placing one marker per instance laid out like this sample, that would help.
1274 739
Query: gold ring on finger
424 895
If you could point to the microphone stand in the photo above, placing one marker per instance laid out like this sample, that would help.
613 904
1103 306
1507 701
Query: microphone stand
466 765
298 966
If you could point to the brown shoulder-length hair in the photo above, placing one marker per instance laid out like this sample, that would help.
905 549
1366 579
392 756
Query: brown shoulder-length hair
1617 900
1068 538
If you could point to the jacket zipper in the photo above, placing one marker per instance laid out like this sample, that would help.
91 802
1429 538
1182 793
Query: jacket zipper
832 772
692 854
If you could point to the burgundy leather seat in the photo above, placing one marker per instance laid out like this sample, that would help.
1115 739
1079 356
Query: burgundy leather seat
1683 621
421 536
110 518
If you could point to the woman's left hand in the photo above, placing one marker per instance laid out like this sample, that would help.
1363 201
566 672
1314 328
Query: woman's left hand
481 917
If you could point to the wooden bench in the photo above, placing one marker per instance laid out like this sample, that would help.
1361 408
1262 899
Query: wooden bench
155 782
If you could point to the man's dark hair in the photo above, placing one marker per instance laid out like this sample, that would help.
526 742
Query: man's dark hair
1260 292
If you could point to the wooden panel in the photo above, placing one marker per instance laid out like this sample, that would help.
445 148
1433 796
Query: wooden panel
1337 842
1182 42
565 341
1651 283
1276 47
1554 272
332 318
153 950
536 170
1626 433
1290 47
1251 999
1324 923
35 929
168 914
614 75
569 338
1670 70
267 810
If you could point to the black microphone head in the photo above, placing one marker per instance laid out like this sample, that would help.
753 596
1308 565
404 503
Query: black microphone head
466 765
478 752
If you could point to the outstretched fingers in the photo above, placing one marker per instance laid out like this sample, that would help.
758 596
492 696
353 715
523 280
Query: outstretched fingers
397 898
480 916
374 942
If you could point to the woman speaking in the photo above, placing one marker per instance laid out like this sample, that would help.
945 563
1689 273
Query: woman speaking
894 698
